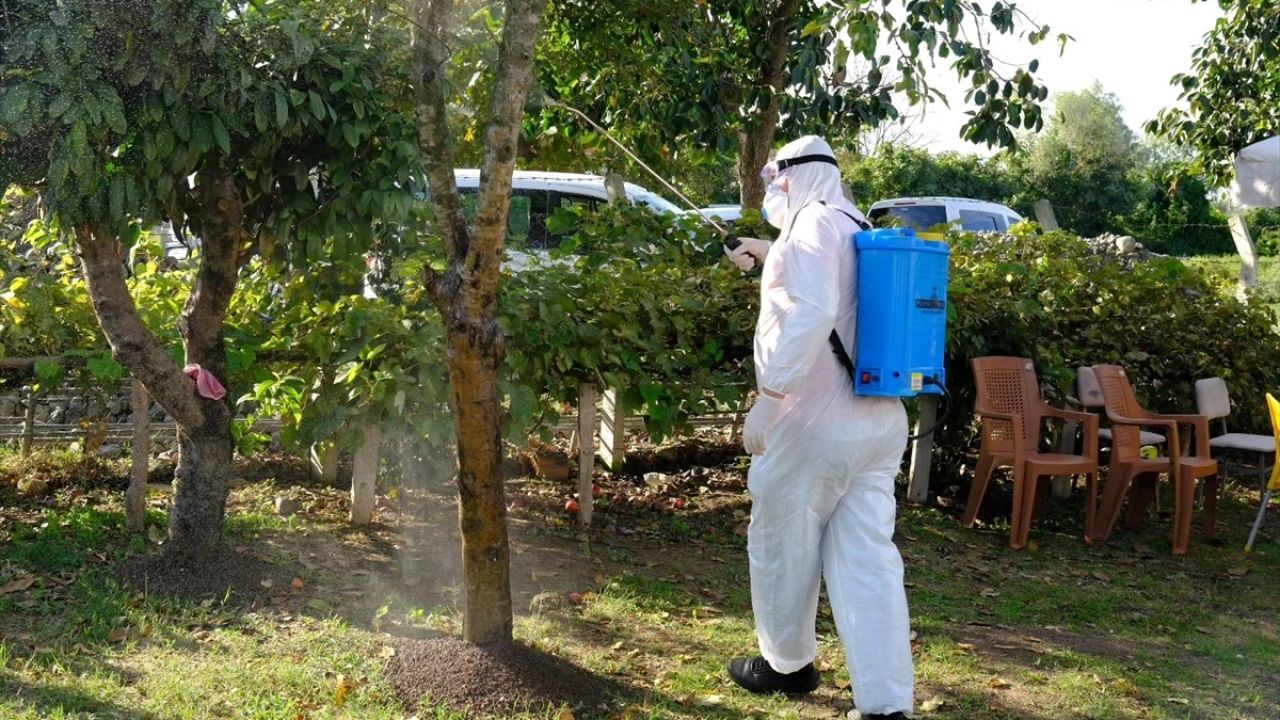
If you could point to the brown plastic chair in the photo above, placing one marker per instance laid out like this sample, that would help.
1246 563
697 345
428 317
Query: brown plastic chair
1128 467
1012 413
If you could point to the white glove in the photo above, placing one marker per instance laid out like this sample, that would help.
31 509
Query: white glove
758 423
749 252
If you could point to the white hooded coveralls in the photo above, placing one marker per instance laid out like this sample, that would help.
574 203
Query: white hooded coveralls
822 492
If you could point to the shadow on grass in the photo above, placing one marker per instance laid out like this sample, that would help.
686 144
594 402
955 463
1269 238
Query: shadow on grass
55 701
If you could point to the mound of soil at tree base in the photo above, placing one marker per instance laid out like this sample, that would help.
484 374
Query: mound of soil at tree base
233 574
492 681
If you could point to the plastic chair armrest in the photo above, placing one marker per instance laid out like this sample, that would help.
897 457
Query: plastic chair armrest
1051 411
1200 425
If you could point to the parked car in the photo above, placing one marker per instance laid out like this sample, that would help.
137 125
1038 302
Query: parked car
923 213
919 213
728 213
535 195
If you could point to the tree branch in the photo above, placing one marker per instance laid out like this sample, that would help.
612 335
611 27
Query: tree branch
132 344
755 141
205 312
514 77
430 20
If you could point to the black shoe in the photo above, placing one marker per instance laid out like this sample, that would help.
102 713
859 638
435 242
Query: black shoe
881 716
756 675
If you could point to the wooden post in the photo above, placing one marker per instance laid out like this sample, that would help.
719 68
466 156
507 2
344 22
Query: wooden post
413 471
922 451
586 450
615 188
324 462
1248 253
29 422
613 430
1044 215
135 498
364 475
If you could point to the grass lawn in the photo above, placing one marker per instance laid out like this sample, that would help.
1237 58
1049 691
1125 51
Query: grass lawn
660 601
1227 269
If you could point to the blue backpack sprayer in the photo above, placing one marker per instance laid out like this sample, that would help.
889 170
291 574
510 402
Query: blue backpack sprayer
902 302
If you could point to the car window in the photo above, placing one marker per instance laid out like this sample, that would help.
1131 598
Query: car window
974 220
519 219
919 217
526 221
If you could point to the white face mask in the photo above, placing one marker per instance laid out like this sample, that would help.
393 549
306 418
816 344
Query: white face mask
775 198
775 207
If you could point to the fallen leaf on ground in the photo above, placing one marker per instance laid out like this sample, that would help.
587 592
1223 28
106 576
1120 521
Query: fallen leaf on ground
999 683
1180 701
1101 576
932 705
1238 571
386 651
345 686
565 714
18 585
117 635
297 584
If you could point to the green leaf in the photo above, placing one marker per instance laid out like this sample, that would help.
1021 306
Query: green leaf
351 134
221 135
49 373
201 133
105 370
282 109
317 105
117 197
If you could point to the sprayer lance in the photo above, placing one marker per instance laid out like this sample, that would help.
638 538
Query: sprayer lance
730 240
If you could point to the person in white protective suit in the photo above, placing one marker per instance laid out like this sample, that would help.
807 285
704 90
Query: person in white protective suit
823 460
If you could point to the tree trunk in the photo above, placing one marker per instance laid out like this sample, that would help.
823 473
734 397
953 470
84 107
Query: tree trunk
755 142
467 293
204 425
205 451
201 484
482 506
754 146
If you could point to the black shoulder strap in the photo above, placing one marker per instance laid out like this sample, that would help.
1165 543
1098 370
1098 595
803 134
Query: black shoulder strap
837 347
842 356
855 220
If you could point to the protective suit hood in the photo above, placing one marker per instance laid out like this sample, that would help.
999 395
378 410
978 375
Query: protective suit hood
812 182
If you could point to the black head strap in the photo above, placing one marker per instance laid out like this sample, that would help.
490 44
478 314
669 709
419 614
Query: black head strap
802 159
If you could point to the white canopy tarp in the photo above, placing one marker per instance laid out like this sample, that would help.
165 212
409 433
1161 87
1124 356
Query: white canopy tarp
1258 175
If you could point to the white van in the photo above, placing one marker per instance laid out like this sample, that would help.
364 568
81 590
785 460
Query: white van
923 213
535 195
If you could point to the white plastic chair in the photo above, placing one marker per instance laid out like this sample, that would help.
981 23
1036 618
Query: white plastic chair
1214 402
